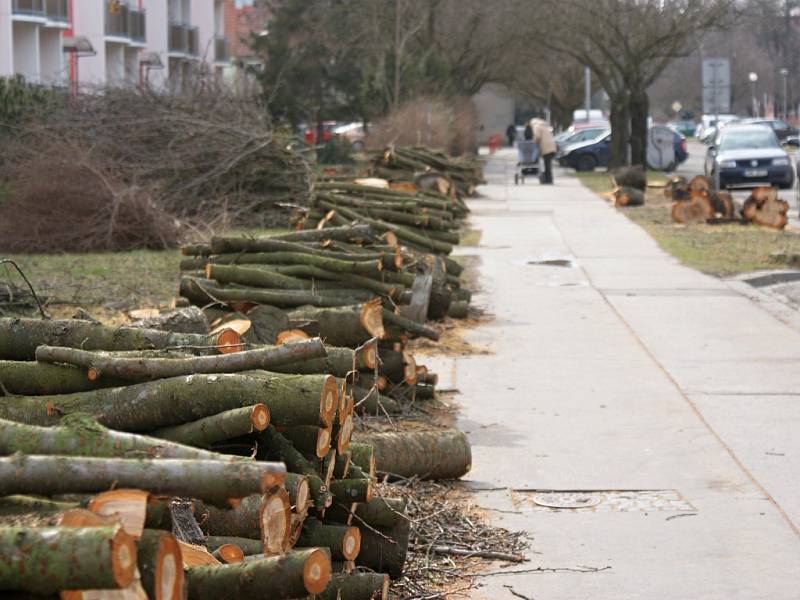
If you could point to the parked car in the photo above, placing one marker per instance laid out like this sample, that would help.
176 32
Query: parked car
587 156
782 129
353 133
310 132
747 156
685 128
708 122
569 137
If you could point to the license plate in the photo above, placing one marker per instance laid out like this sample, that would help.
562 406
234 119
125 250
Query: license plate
755 173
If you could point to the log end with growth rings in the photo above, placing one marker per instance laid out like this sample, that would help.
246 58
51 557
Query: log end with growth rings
123 558
329 403
290 336
259 417
371 318
409 368
229 554
302 495
275 522
317 572
169 569
228 341
351 543
368 354
324 441
345 433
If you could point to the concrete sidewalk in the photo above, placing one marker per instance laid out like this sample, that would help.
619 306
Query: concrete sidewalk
660 393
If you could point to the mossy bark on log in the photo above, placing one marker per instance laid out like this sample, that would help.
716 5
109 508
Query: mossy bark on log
321 279
321 261
384 550
254 276
145 369
291 399
293 575
205 291
352 490
30 378
310 440
357 586
217 428
338 362
436 454
80 435
425 391
212 480
347 233
19 338
189 319
410 326
398 366
378 512
372 402
249 546
49 559
160 566
266 517
276 447
18 504
267 322
363 456
346 326
458 309
343 541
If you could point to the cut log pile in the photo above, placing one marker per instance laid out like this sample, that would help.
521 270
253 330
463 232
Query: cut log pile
419 167
697 201
209 451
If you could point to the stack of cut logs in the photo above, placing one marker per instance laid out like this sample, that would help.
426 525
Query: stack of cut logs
210 450
428 169
697 201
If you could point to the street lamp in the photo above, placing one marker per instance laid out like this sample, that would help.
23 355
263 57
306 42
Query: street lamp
753 78
785 75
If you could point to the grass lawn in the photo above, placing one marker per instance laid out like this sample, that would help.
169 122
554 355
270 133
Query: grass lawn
720 250
104 283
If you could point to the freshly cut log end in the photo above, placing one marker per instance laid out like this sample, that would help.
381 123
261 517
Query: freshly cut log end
300 495
228 341
323 442
723 204
196 556
276 522
291 336
698 209
677 188
330 399
239 325
367 355
127 505
763 207
351 543
409 368
123 558
160 565
229 554
701 183
626 196
317 572
345 433
260 417
372 319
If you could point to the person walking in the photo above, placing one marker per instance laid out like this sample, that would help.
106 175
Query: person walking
511 134
547 147
528 132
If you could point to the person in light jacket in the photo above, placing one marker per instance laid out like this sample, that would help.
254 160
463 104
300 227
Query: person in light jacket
547 147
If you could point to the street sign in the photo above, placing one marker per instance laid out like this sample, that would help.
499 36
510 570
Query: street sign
716 86
676 106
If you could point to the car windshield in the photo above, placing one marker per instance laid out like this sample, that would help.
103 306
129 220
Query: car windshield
743 140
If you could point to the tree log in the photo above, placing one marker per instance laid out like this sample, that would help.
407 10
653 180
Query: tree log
19 338
345 326
80 435
267 322
458 310
228 554
343 541
160 565
348 233
338 362
409 325
211 480
144 369
697 209
384 550
352 490
30 378
182 320
49 559
299 258
763 207
247 545
357 586
291 400
218 428
310 440
293 575
438 454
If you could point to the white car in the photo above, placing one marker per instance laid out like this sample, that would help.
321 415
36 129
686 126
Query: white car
353 133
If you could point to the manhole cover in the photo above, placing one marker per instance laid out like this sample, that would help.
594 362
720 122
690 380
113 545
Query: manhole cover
567 500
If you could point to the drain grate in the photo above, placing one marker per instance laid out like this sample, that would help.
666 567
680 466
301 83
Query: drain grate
603 500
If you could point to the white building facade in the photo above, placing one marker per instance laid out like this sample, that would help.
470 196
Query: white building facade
130 42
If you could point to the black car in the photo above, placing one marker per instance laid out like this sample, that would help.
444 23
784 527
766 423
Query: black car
782 129
746 156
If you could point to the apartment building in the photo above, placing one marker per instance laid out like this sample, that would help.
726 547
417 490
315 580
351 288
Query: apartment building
94 43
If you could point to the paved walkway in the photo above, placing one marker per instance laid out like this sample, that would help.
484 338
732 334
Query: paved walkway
626 372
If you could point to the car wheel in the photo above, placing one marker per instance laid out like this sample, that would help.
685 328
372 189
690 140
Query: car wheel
586 162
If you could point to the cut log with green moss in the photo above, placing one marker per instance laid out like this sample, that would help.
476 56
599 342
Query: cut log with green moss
338 362
47 560
218 428
212 480
321 261
274 446
17 505
19 338
311 441
357 586
346 326
363 456
249 546
99 365
30 378
352 490
418 329
372 402
160 565
293 575
343 541
291 399
189 319
424 391
436 454
378 512
458 309
254 276
347 233
80 435
384 550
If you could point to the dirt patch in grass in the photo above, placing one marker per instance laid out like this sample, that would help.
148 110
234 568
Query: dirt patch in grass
720 250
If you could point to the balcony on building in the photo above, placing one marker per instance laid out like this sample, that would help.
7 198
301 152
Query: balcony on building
222 49
125 23
28 10
183 39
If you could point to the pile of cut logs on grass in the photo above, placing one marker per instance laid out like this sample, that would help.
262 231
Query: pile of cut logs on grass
210 450
428 169
697 201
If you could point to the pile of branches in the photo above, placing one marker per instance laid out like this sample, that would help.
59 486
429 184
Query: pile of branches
205 157
697 201
428 168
